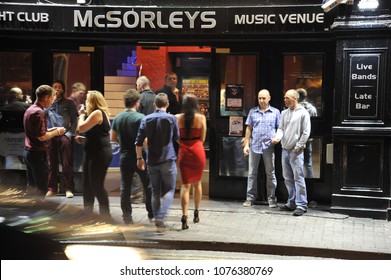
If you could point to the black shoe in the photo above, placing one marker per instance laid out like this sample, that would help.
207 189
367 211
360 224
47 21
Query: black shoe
128 221
184 222
299 212
196 217
286 208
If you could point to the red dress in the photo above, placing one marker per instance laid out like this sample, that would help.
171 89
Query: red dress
191 156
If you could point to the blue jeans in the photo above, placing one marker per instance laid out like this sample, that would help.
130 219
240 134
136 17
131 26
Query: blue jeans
37 170
292 170
271 181
163 179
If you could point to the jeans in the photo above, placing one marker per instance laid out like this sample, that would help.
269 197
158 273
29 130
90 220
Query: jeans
163 179
37 170
308 169
292 169
271 181
128 166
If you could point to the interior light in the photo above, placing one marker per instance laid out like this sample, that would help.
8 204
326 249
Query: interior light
368 4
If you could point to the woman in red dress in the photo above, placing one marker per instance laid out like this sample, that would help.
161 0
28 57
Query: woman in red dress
191 156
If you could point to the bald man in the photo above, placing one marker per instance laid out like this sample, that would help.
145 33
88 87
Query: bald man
293 132
262 123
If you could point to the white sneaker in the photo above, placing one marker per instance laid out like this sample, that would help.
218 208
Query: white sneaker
248 203
50 193
69 194
273 204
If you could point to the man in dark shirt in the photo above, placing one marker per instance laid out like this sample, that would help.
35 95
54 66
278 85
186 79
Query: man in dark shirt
36 140
124 131
147 97
161 130
173 93
62 112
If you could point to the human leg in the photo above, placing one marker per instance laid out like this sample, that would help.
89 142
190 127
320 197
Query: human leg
53 154
126 188
185 197
169 174
288 175
88 193
252 184
67 163
271 180
37 170
300 186
197 200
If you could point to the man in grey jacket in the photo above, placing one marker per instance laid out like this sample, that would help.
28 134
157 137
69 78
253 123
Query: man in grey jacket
293 132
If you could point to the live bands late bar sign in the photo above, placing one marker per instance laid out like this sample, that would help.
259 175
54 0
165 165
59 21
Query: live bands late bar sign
364 85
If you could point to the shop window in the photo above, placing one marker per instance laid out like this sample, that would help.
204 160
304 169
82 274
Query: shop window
72 68
305 71
238 84
15 71
232 160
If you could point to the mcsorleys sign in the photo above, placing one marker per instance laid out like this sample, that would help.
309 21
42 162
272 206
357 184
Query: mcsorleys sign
172 20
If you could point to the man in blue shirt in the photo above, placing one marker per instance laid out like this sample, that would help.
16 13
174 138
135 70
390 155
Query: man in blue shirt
262 123
161 131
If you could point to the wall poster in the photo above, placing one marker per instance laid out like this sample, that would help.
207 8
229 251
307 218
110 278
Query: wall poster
234 94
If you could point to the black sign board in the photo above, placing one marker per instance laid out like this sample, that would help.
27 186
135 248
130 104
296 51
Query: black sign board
364 85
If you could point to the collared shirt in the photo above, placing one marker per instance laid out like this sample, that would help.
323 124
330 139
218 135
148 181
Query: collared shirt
264 126
35 125
161 130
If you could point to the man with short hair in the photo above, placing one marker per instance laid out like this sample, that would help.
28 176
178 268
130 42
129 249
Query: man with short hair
173 93
293 132
161 130
36 140
262 123
147 97
78 93
62 113
124 131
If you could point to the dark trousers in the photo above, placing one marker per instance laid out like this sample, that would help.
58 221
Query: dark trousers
94 173
60 150
128 166
37 170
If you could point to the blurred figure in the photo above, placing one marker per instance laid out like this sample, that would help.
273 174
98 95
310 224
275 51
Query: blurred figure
173 93
147 96
161 131
16 101
124 131
308 168
293 132
78 91
262 123
36 140
191 157
97 151
63 113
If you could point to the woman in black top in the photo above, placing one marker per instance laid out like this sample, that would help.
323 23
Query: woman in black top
97 151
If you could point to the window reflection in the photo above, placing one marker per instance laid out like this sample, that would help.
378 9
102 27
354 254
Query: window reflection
305 71
238 70
232 160
313 158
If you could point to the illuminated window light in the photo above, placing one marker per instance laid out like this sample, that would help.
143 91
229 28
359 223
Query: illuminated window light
368 4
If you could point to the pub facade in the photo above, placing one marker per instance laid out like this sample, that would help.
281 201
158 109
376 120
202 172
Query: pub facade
224 52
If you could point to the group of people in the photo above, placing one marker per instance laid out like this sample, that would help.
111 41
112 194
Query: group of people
266 127
156 132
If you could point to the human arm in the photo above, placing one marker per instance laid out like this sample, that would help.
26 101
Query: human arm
140 160
93 119
203 128
52 132
246 142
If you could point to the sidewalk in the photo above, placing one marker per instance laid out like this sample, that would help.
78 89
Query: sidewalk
228 226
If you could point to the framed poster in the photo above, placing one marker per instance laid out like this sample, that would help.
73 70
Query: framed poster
234 94
236 126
